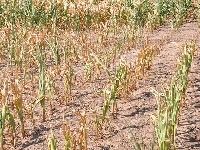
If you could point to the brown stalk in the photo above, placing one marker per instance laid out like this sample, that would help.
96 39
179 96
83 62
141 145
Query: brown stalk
17 101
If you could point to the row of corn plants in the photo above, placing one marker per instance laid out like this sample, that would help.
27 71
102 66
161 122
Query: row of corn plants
125 79
170 103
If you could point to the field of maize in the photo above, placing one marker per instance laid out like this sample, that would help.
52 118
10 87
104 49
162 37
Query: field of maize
99 74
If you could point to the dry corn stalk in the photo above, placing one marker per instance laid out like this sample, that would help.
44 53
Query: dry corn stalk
6 115
18 102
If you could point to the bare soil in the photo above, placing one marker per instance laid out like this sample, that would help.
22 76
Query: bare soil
132 114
